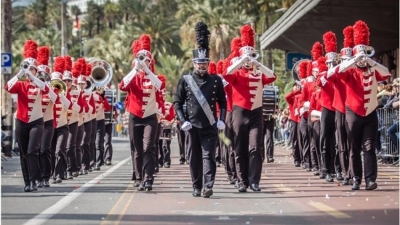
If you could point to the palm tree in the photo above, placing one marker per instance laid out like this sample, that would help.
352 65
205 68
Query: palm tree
171 67
111 13
222 17
95 14
35 14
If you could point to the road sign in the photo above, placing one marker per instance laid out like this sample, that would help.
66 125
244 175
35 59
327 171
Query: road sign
293 57
6 63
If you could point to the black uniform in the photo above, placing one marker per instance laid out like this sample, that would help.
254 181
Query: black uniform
203 136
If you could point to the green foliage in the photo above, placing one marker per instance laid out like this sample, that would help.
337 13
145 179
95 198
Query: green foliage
107 31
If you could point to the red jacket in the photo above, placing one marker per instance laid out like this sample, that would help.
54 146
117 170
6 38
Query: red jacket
315 101
296 107
308 89
247 88
327 92
169 112
361 89
29 106
290 99
139 90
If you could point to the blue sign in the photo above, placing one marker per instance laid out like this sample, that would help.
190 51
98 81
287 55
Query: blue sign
6 63
293 57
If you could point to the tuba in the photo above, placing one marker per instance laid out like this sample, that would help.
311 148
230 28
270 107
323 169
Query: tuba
295 71
101 73
59 84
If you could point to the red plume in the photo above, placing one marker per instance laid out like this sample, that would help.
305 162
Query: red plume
68 63
76 70
236 44
43 55
59 64
136 46
361 33
303 69
348 40
162 78
247 34
321 64
30 49
309 68
212 68
145 41
220 67
330 42
82 61
316 51
88 69
227 63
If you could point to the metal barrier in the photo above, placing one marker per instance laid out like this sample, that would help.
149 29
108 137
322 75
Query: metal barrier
386 118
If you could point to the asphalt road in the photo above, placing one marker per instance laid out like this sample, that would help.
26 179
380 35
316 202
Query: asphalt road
289 196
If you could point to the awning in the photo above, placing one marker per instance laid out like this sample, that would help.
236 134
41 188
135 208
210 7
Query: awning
307 20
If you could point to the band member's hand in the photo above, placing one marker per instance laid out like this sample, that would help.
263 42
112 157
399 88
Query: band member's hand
220 125
137 65
145 68
186 126
360 57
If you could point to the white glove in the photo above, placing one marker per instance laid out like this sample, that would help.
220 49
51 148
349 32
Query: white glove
360 57
371 62
186 126
220 125
137 65
296 112
145 68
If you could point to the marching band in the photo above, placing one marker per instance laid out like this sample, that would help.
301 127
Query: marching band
65 116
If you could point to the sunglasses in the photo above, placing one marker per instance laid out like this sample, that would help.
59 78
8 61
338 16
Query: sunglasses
68 80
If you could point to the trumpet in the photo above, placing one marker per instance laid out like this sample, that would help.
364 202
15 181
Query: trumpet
141 57
24 65
43 76
59 84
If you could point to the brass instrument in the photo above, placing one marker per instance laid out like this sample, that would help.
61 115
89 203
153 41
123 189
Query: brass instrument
24 65
141 57
59 84
102 72
295 71
89 85
43 76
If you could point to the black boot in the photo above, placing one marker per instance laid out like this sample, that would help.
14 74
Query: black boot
33 186
242 188
207 192
328 178
196 192
339 177
148 186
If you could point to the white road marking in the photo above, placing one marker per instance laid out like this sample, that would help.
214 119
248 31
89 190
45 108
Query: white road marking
62 203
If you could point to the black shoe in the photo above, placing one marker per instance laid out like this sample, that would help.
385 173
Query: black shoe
316 173
75 174
328 178
40 184
90 169
371 186
255 187
218 164
196 192
355 186
207 192
242 188
33 186
297 164
303 166
322 176
270 160
166 165
96 168
148 186
181 162
233 181
308 170
81 172
346 181
86 172
339 177
27 188
59 180
108 163
136 183
46 183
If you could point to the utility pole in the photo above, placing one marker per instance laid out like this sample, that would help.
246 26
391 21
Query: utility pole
64 49
7 102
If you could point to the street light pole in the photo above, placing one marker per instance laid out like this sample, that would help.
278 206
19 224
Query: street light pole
64 49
